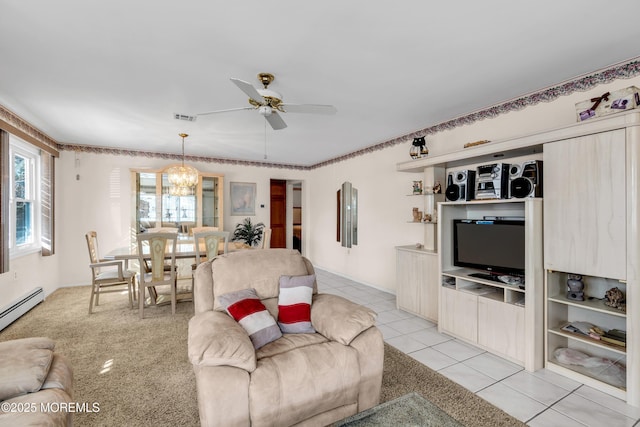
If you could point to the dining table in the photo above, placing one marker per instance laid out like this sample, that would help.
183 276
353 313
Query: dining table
185 249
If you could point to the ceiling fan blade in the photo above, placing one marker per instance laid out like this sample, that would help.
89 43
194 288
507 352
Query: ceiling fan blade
248 88
225 111
309 108
275 121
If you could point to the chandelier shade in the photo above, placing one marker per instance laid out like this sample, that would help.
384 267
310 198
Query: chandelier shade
182 178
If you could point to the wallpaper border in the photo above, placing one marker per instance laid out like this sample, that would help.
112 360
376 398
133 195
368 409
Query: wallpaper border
625 70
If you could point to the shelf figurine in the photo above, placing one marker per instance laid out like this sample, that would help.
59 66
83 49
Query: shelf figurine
616 299
417 215
417 187
575 288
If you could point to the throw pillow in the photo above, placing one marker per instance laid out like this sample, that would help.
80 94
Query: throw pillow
247 309
294 304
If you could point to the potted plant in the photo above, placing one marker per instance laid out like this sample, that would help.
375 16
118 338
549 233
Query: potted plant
248 232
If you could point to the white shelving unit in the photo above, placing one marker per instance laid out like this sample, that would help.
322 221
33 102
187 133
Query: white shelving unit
591 227
562 310
426 203
417 268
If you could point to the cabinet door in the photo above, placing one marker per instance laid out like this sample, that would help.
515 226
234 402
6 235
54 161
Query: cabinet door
459 314
409 275
431 292
417 283
584 205
501 328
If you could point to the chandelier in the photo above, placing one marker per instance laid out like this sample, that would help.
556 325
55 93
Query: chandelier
182 178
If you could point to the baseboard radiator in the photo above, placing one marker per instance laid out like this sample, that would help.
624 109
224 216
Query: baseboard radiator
13 311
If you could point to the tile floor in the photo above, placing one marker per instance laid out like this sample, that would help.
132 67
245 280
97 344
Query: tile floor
539 399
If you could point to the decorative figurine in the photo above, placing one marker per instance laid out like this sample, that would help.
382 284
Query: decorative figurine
418 148
616 299
417 187
575 287
417 215
437 188
427 217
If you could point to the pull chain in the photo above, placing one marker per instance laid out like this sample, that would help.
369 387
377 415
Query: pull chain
265 139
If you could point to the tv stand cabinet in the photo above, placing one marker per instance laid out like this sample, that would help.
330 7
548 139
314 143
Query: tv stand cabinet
500 318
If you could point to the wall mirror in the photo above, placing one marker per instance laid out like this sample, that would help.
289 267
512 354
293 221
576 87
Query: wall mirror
347 219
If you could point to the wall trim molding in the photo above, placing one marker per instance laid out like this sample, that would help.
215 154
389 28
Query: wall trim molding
171 156
625 70
14 124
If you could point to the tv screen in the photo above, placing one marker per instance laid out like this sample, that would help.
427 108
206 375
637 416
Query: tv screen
493 245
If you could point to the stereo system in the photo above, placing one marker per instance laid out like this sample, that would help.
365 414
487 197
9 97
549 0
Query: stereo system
460 185
493 181
496 181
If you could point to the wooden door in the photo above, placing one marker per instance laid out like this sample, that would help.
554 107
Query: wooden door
278 213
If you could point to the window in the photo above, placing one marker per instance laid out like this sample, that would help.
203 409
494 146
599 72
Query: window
155 208
178 210
24 198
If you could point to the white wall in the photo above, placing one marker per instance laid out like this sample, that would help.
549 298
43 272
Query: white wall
101 201
384 206
383 212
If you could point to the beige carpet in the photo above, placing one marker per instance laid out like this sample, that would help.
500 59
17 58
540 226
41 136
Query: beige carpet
139 374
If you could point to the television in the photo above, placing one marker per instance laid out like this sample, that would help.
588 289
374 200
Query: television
495 246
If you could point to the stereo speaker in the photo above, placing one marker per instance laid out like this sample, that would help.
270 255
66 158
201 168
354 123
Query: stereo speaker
527 181
460 185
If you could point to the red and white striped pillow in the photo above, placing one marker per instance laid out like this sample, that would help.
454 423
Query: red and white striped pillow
247 309
294 304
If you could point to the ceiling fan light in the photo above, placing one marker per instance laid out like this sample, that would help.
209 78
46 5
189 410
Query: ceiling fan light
265 111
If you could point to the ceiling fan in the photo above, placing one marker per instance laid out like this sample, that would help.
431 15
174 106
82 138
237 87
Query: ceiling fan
269 103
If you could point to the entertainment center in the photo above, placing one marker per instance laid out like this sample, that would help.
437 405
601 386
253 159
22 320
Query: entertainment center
586 226
498 316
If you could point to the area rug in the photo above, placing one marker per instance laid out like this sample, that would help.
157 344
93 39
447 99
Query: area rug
139 374
403 374
408 410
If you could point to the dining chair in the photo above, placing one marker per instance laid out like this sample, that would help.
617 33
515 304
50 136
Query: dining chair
195 230
207 246
159 230
162 230
265 242
196 240
107 276
156 248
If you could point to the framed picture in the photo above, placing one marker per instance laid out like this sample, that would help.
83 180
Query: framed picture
243 198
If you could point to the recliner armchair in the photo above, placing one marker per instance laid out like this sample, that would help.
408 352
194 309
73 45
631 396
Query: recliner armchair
310 379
